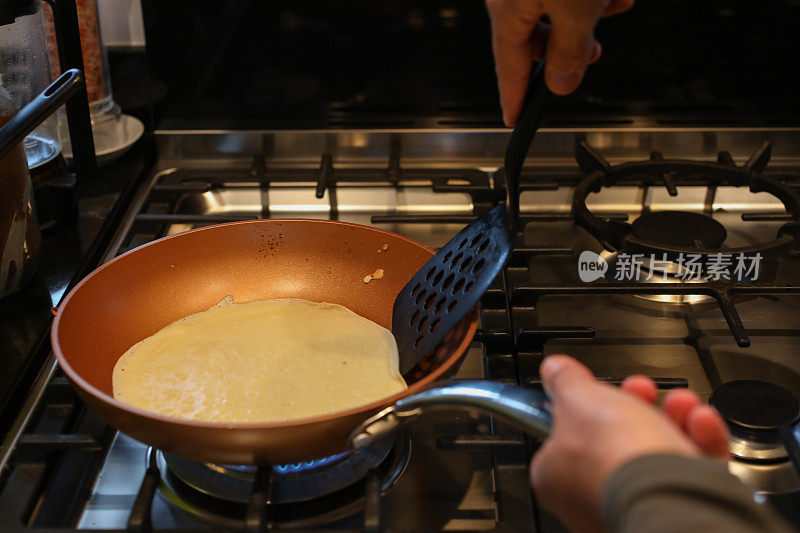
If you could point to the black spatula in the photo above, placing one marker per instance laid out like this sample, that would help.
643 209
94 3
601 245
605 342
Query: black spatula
453 281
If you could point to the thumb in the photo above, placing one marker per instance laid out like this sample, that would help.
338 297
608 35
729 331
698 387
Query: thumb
561 373
569 51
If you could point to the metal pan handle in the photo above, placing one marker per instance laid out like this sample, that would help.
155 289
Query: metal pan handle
526 409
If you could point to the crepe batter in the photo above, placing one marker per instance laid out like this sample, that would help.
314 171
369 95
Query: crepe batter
261 361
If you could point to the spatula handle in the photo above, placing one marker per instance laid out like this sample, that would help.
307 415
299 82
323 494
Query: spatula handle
534 105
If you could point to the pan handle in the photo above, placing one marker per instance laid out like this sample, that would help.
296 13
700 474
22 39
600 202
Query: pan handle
526 409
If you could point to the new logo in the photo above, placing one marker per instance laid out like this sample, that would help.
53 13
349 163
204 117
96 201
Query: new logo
591 266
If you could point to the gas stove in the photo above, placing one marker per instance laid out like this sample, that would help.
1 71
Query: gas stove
600 270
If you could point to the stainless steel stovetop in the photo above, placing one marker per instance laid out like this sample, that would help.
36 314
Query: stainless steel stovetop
457 471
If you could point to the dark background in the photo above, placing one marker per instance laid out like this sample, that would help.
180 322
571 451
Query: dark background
404 63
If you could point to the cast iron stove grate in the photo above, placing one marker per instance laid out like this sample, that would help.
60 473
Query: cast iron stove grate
620 236
59 457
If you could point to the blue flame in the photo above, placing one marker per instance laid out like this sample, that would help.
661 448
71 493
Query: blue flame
308 465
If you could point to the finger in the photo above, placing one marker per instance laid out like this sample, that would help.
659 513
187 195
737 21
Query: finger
642 387
546 467
512 27
678 404
562 372
538 462
617 6
707 429
515 49
569 50
597 50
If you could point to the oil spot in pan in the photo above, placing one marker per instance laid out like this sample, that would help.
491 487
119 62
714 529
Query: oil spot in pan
378 274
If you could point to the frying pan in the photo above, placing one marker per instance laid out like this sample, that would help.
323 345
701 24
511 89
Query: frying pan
144 290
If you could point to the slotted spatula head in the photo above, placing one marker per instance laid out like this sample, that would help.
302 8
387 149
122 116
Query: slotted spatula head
453 281
448 286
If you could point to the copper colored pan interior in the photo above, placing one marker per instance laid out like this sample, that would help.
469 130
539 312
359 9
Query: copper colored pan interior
135 295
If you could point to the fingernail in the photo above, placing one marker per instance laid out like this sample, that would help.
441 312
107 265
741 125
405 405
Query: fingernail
596 51
562 82
549 367
547 370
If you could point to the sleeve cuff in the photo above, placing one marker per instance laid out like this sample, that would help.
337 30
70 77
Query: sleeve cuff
662 489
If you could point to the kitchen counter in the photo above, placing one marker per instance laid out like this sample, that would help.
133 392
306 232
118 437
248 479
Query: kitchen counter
26 315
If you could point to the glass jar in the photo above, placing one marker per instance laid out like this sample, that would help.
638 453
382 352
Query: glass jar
25 68
95 58
108 128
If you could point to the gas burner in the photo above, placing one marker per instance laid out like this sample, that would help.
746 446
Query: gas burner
755 408
680 228
753 411
673 233
659 274
325 489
